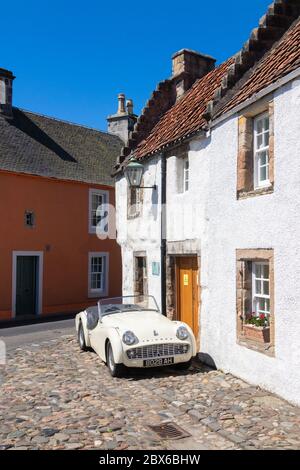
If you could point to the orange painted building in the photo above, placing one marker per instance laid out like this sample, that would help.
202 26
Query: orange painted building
53 177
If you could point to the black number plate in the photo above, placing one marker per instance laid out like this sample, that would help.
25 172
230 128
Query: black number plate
160 361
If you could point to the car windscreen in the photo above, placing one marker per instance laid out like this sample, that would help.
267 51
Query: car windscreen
127 304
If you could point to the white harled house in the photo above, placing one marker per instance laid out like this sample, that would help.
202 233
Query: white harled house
213 228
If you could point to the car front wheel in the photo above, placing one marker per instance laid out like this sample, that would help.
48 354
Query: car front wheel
81 338
116 370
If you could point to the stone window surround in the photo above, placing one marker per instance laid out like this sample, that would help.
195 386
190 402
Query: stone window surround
244 255
245 159
137 212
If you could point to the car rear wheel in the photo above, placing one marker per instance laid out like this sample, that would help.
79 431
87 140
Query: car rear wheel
116 370
184 365
81 338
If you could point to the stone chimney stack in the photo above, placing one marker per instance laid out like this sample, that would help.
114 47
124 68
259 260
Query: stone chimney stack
6 87
122 123
188 66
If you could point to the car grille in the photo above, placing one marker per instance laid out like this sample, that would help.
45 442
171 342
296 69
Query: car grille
158 350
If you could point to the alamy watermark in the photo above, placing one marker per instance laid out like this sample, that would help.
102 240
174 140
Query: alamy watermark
182 217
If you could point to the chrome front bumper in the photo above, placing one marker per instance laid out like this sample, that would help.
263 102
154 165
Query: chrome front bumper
135 356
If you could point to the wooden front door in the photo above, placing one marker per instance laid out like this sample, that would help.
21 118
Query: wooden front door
188 292
26 285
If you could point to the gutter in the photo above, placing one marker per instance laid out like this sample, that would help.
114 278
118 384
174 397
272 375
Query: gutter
257 96
163 240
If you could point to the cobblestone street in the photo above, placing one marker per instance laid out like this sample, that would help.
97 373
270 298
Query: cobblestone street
53 396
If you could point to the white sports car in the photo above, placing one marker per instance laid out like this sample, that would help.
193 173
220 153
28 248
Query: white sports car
131 332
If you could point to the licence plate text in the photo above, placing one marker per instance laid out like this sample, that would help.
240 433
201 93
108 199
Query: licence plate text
161 361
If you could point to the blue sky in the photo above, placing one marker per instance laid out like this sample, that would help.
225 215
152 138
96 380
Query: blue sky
72 58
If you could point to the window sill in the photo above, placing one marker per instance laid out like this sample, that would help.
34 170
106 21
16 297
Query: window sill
97 294
255 192
93 231
267 348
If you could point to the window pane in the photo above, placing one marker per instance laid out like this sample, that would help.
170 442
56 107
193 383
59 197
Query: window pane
94 281
266 271
266 123
258 271
267 306
257 287
263 158
266 288
263 173
261 305
96 201
96 265
266 139
259 126
259 141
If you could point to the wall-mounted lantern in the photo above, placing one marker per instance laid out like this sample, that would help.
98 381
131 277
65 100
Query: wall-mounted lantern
134 173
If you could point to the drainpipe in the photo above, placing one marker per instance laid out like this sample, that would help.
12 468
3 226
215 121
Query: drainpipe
163 241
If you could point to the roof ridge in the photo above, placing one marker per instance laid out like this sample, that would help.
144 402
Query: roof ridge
70 123
272 27
162 98
218 107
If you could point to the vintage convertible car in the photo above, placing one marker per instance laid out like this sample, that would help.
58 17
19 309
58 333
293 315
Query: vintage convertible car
131 332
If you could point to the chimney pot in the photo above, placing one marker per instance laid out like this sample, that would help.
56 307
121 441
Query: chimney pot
121 103
129 106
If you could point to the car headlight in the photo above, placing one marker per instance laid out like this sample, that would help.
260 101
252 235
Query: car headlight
182 333
129 338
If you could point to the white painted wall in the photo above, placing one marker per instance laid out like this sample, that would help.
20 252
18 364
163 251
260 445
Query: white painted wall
186 211
223 224
142 233
270 221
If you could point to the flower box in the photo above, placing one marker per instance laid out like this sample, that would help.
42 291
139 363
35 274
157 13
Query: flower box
260 334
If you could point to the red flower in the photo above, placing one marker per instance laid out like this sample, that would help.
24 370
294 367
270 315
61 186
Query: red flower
262 316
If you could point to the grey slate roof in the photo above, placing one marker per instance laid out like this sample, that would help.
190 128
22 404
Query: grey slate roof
39 145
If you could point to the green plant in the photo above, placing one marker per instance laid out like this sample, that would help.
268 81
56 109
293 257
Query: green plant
257 320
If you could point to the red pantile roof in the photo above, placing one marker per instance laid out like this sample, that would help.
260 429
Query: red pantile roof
281 60
186 116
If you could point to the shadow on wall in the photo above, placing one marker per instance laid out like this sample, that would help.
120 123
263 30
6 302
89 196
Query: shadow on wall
200 144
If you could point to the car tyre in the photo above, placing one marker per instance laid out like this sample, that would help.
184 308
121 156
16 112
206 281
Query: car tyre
115 370
81 338
184 365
